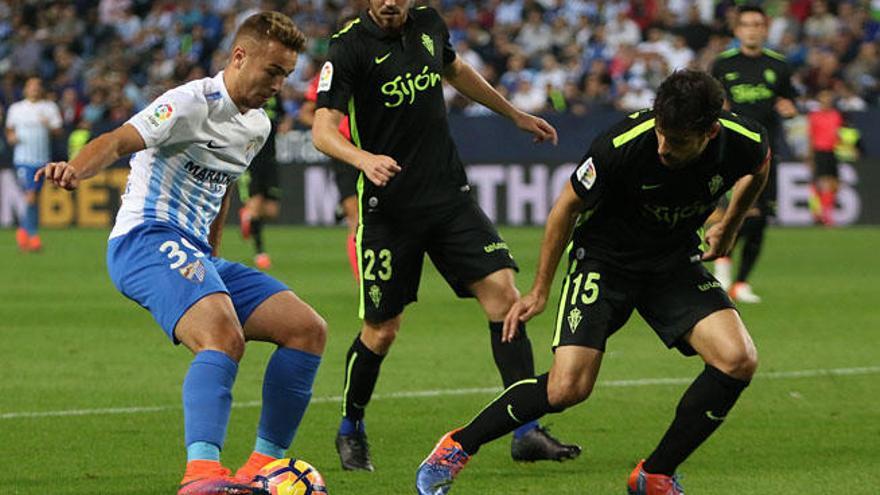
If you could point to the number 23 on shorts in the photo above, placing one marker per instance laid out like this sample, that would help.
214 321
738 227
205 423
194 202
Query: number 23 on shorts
381 262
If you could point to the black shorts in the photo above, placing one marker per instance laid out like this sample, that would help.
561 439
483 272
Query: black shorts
463 245
826 164
346 179
262 176
598 299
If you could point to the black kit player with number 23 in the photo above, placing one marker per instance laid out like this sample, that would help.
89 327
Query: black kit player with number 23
385 70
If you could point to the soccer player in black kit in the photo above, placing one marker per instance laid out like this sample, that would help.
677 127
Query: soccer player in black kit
757 81
632 211
384 70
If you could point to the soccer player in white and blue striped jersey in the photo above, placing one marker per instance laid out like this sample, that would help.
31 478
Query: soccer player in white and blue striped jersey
189 145
30 125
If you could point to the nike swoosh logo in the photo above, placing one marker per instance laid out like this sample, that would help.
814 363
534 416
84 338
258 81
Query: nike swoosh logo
712 416
379 60
648 187
213 146
510 412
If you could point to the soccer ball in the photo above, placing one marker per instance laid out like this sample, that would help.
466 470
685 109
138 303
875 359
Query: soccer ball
290 477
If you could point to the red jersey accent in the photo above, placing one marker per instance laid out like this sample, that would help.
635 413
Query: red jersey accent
312 95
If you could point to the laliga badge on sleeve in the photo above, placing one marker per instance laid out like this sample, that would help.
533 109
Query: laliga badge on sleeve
586 173
326 78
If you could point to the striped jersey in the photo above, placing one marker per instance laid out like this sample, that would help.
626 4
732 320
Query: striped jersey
32 121
197 143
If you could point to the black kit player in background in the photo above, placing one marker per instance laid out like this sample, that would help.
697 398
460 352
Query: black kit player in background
632 211
258 187
758 85
385 70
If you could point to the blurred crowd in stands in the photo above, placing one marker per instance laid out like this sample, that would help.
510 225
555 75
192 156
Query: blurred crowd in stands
103 60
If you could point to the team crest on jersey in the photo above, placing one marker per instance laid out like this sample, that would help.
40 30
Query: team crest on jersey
429 43
326 78
574 318
161 114
251 150
715 184
194 272
770 76
731 76
376 295
586 173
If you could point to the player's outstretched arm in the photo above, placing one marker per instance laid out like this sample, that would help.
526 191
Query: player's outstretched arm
722 235
94 157
470 83
557 232
379 169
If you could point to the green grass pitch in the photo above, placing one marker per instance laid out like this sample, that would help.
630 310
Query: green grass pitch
90 387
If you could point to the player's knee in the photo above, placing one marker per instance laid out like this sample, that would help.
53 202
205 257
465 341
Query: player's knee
229 340
502 297
566 391
741 364
378 337
316 334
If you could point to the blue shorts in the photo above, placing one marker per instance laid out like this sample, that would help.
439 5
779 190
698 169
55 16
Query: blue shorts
25 175
166 271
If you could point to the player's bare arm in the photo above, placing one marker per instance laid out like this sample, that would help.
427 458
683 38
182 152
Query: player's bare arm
215 235
11 137
327 138
94 157
470 83
557 232
721 236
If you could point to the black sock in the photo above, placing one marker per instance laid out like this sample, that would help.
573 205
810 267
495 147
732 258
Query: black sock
710 396
361 372
513 359
752 238
523 402
257 233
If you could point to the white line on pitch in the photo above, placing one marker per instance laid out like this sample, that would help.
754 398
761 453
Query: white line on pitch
643 382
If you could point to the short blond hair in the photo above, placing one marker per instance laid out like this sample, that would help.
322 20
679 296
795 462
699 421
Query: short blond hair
272 25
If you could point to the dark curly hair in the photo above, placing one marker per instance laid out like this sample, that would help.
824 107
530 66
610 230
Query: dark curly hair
688 101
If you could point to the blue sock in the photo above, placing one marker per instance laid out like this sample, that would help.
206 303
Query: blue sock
270 449
207 399
347 427
202 451
31 219
522 430
287 390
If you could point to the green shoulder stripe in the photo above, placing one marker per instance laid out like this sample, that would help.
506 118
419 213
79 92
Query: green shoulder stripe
347 27
776 55
733 126
728 53
632 133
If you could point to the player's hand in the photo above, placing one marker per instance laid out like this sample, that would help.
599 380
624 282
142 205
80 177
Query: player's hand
536 126
61 174
786 108
720 241
380 169
523 310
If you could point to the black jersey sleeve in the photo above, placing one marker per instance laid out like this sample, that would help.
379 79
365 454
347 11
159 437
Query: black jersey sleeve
786 88
448 51
593 175
438 25
750 143
336 82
